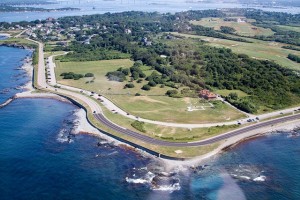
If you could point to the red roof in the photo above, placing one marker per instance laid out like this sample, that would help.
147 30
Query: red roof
207 94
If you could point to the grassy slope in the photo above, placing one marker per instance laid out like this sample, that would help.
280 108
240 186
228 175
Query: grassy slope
245 28
154 105
290 28
258 49
227 92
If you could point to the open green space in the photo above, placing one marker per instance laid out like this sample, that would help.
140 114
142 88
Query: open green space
242 28
20 41
227 92
175 110
151 104
258 49
289 28
54 53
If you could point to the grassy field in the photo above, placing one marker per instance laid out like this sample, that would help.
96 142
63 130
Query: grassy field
163 108
290 28
186 152
20 41
243 28
227 92
258 49
152 104
54 53
185 135
171 134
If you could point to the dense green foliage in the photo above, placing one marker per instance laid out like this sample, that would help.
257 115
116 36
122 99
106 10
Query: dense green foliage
116 76
138 126
71 75
271 19
146 87
243 104
128 85
173 93
89 75
227 30
294 58
178 63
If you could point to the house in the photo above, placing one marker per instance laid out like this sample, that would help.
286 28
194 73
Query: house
206 94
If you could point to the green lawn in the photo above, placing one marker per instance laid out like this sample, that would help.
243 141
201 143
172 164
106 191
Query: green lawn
290 28
258 49
20 41
54 53
227 92
167 109
152 104
244 28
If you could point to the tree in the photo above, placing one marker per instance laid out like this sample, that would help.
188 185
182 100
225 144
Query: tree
129 85
89 75
172 93
152 83
227 29
146 87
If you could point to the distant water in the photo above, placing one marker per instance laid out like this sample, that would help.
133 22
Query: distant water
37 164
89 7
11 77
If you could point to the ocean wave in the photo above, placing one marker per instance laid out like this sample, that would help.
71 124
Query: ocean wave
260 179
248 172
147 179
64 136
169 188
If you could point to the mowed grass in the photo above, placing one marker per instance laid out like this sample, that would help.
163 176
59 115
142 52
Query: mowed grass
53 53
290 28
258 49
175 110
20 41
98 68
242 28
227 92
152 104
173 134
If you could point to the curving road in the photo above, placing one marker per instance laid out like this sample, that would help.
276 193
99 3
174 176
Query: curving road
105 121
95 107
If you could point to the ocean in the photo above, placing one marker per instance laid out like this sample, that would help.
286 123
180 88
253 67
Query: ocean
12 77
89 7
41 158
36 162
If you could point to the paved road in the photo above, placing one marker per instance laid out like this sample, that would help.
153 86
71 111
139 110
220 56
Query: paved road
113 107
94 106
105 121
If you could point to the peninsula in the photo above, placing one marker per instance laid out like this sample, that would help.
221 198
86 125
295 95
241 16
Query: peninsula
169 84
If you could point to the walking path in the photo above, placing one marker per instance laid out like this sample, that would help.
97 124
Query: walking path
114 108
98 114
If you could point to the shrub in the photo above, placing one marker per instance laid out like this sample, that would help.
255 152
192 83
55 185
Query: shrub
129 85
172 93
152 83
71 75
138 126
89 75
146 87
